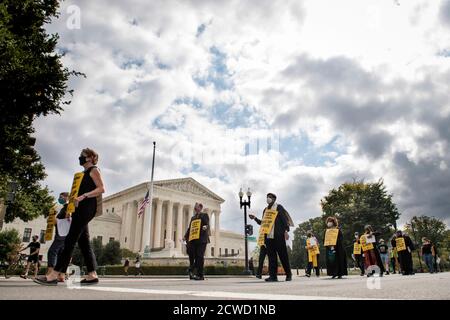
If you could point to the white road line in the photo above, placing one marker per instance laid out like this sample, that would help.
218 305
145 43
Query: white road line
218 294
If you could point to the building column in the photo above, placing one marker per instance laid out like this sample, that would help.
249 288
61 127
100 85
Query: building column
180 234
208 247
145 244
186 220
123 227
216 232
158 218
169 225
138 230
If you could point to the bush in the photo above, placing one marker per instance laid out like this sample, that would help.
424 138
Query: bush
9 243
171 270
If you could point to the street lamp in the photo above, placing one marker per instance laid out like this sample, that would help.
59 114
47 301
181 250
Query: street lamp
245 204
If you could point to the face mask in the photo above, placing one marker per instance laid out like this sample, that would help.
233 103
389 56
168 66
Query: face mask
269 200
82 160
61 201
330 224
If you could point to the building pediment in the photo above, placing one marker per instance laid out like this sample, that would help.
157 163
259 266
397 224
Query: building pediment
188 185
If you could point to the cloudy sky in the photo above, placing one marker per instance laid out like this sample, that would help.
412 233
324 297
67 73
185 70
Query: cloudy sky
293 97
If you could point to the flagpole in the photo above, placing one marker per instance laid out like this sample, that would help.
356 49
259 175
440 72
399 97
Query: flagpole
147 220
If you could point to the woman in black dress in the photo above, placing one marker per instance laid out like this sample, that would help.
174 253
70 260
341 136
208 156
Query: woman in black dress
86 207
336 258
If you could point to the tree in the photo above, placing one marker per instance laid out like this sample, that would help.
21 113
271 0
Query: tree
357 204
428 227
33 83
111 253
97 247
9 242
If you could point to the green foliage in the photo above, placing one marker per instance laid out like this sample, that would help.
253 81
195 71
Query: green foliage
9 242
111 254
174 270
33 83
428 227
126 253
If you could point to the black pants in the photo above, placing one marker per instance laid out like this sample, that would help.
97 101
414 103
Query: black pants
310 266
78 232
198 250
393 264
262 257
359 260
52 254
191 253
277 247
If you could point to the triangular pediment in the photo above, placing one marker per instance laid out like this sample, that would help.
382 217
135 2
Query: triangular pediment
188 185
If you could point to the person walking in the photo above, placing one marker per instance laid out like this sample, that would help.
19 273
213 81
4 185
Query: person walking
312 246
336 259
58 242
262 251
358 255
90 187
384 255
33 258
197 235
126 265
428 254
138 268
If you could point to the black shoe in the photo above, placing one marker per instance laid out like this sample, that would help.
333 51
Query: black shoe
270 279
333 277
289 277
43 281
307 275
86 282
340 277
362 274
259 276
387 273
199 278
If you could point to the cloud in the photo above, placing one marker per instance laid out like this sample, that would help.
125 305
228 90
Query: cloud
340 94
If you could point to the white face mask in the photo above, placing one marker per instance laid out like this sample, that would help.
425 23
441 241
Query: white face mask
269 200
330 224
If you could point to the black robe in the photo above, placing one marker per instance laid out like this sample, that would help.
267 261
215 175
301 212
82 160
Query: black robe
405 257
336 258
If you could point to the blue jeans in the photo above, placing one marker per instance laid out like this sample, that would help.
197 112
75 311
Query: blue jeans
55 248
429 260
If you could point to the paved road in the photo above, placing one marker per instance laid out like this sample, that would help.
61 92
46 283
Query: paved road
419 286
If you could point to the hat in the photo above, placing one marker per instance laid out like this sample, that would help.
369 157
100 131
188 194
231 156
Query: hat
271 195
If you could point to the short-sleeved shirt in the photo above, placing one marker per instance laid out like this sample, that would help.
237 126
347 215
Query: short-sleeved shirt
34 246
383 248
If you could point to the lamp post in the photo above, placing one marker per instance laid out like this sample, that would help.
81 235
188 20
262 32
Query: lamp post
245 204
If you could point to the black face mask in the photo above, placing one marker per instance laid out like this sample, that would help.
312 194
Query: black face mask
82 160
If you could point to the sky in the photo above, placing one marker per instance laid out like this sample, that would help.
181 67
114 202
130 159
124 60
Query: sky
290 97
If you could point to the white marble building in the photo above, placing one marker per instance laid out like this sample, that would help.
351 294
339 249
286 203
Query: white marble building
159 234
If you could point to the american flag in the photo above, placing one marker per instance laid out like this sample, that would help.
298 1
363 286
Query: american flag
143 204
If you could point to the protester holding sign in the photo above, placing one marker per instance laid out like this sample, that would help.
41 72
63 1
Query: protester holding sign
197 236
371 255
404 246
87 189
335 253
60 234
273 234
262 249
312 245
358 255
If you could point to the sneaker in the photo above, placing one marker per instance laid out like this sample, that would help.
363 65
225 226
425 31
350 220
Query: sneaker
259 276
270 279
199 278
289 277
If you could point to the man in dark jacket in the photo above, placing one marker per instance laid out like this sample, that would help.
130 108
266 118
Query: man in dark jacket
275 238
197 237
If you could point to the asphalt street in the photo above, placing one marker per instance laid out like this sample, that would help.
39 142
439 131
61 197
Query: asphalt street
419 286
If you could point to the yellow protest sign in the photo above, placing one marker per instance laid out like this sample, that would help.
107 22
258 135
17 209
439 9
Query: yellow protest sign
51 221
261 239
268 220
331 236
366 246
194 230
400 244
77 178
266 224
315 248
356 248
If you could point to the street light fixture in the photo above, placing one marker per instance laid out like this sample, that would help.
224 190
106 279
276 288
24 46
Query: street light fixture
245 204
